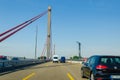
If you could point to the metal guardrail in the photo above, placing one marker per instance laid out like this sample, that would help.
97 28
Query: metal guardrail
6 65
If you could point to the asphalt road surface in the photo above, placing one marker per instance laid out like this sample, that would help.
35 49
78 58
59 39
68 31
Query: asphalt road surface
46 71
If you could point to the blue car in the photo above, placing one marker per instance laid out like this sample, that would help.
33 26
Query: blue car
62 60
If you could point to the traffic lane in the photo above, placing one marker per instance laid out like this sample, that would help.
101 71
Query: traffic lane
74 69
51 71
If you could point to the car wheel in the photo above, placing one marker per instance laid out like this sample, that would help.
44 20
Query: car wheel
92 76
82 74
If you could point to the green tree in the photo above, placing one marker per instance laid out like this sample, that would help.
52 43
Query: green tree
42 57
75 57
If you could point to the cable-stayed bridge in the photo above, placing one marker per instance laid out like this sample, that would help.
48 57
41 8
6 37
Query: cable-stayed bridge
21 68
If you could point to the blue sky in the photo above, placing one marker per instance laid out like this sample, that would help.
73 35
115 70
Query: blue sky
94 23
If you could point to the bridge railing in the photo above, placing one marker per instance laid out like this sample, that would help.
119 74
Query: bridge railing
6 65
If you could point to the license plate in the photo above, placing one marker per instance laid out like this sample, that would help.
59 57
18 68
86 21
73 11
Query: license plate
115 76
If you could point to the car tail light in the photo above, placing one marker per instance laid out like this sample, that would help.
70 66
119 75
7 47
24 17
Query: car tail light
99 79
101 67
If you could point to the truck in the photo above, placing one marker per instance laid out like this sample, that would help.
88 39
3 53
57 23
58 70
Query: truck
62 59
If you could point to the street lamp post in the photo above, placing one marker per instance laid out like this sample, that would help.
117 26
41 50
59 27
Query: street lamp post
79 44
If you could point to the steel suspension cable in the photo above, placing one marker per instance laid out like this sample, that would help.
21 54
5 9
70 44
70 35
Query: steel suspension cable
21 26
43 52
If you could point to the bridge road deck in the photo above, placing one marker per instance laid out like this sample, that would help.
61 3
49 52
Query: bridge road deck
46 71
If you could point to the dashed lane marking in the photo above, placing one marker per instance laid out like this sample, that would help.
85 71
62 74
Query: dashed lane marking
29 76
70 77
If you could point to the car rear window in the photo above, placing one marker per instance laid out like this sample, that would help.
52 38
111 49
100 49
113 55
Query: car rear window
110 60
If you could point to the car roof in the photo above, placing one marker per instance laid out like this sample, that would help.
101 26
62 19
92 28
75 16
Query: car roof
105 56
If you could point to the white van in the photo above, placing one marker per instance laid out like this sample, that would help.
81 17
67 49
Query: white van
55 58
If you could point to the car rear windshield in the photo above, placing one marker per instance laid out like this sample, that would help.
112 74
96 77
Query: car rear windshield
110 60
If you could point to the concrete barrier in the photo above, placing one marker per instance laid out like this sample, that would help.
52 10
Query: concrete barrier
75 62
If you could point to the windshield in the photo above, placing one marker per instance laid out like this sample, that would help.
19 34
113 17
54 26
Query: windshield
55 57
